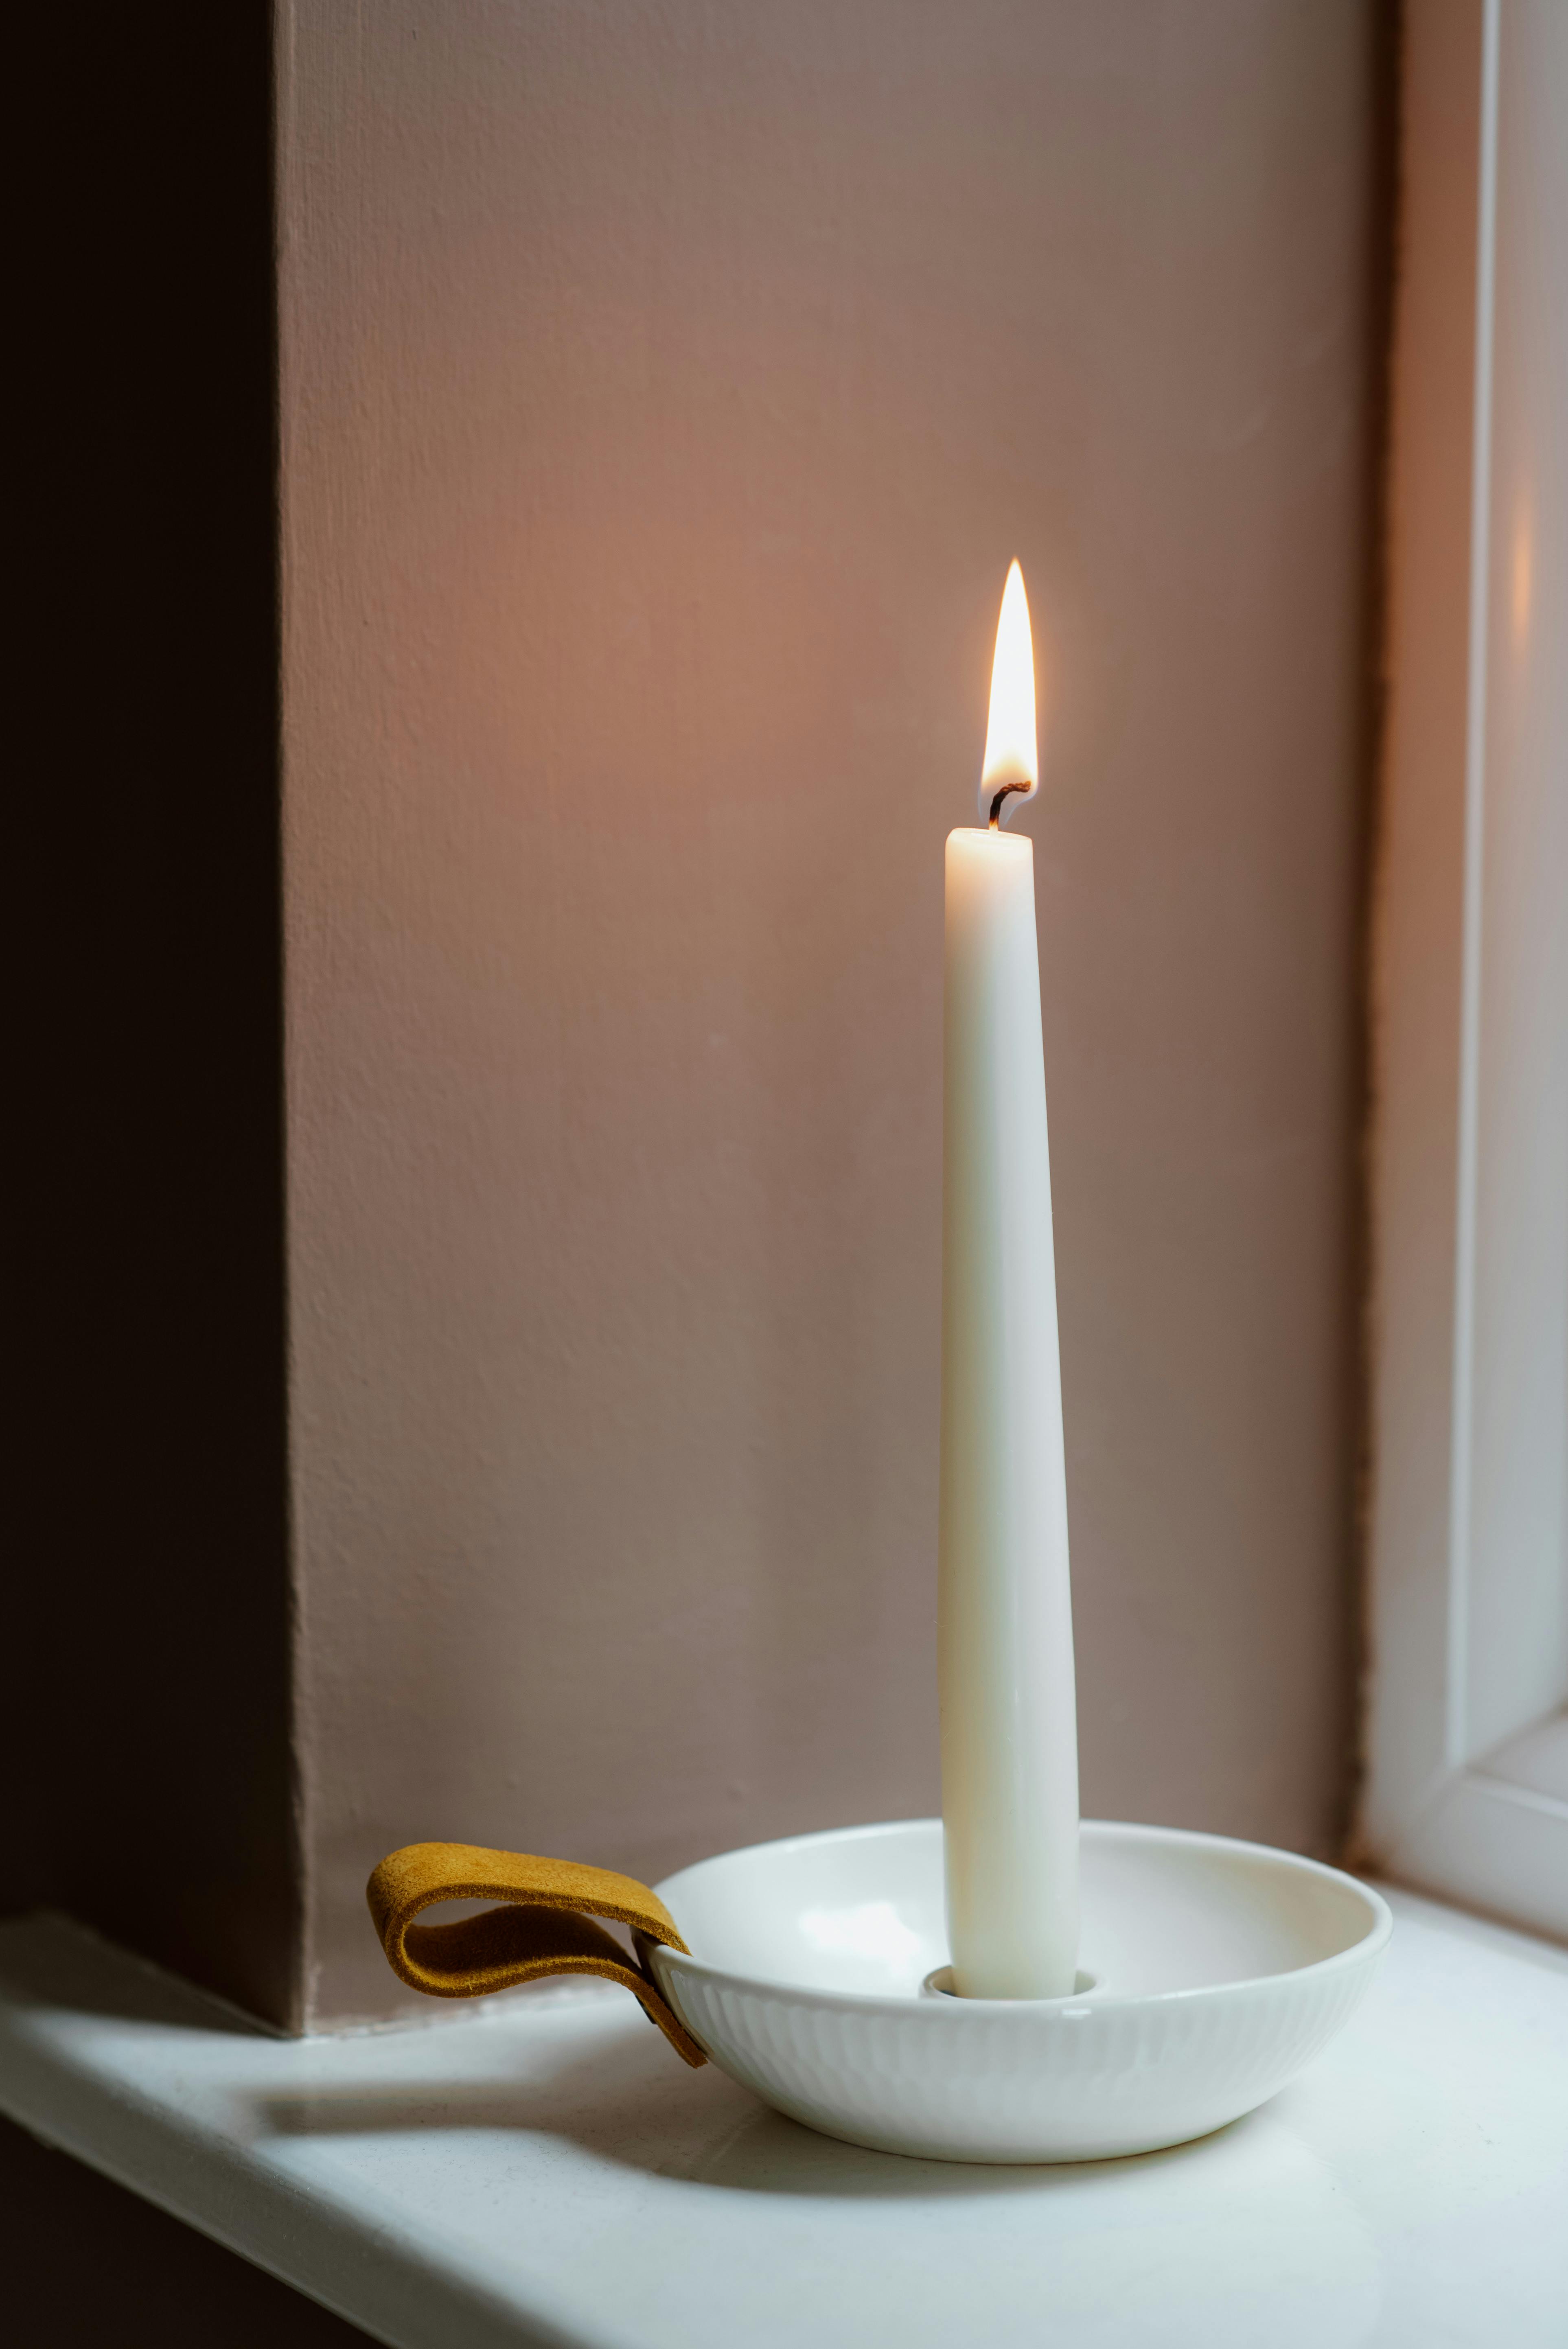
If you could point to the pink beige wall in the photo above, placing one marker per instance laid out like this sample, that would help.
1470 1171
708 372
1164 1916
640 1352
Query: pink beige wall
665 388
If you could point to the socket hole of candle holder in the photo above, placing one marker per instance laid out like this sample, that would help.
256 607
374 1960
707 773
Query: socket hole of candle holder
938 1983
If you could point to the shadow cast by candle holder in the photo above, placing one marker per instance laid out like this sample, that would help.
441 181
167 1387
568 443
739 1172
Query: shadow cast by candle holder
615 2105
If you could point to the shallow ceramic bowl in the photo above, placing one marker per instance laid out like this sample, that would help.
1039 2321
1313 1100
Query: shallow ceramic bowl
1210 1971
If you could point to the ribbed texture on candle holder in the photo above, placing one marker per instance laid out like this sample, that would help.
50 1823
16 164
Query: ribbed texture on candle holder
1025 2086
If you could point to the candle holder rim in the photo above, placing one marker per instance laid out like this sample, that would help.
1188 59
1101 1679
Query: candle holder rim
1106 1997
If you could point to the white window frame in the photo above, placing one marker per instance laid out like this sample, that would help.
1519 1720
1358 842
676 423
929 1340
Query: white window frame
1466 1789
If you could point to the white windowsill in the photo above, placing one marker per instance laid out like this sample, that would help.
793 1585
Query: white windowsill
542 2169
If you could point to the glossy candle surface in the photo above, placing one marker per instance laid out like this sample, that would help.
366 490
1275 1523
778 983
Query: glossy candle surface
1009 1730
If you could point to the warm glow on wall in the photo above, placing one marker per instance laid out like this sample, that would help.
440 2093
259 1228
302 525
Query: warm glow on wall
1523 580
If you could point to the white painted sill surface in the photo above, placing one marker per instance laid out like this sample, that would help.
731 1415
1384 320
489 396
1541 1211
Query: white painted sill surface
544 2171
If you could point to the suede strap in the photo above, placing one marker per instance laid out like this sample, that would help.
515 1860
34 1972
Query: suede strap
543 1927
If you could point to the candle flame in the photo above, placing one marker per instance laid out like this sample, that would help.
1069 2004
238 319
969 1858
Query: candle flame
1011 762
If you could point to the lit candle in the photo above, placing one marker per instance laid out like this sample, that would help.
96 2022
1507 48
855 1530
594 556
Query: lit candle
1009 1728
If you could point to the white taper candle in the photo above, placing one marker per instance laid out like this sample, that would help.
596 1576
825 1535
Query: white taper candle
1008 1729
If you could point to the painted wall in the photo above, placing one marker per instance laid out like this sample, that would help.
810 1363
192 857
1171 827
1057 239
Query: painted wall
665 388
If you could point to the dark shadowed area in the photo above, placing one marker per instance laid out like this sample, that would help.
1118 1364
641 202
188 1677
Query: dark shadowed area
147 1619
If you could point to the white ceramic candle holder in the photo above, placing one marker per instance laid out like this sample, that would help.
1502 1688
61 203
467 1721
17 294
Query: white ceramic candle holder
1210 1972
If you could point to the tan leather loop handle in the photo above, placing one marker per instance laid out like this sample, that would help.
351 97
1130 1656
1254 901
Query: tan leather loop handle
545 1926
